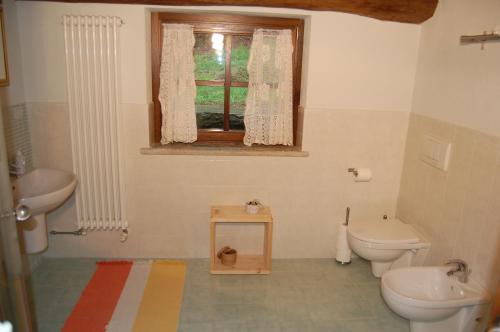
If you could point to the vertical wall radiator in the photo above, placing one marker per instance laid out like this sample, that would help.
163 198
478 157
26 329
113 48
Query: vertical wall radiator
92 70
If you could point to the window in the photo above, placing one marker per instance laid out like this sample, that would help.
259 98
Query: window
221 52
221 76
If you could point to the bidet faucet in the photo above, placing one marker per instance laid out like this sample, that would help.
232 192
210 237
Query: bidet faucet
461 270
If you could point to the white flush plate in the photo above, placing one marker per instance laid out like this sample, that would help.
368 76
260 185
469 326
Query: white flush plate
435 152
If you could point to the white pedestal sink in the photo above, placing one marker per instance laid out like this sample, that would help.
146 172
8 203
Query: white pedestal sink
42 190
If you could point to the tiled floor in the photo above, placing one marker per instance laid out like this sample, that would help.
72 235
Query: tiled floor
299 295
56 286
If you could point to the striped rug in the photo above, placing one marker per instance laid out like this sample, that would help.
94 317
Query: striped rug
125 296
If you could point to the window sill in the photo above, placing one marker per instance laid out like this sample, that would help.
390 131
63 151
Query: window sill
224 150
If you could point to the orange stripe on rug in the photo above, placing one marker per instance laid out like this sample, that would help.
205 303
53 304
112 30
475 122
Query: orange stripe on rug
161 302
98 301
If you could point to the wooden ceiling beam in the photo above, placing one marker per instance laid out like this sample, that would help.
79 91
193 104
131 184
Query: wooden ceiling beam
405 11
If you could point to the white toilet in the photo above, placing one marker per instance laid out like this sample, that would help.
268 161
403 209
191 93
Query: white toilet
388 244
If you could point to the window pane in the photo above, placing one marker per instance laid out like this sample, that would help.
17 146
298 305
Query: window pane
210 107
209 56
240 51
237 109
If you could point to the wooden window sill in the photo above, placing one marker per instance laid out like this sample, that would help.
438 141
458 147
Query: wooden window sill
224 150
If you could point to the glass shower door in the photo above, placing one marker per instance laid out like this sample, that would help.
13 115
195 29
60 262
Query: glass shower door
14 305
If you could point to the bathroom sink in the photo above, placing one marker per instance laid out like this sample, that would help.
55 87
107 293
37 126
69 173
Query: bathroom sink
42 190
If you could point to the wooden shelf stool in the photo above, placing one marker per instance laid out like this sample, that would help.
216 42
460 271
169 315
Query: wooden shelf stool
245 264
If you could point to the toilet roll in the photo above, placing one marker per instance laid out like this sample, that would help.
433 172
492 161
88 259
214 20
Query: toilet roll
363 175
343 254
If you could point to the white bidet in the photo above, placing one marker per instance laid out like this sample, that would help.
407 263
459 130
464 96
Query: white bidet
434 301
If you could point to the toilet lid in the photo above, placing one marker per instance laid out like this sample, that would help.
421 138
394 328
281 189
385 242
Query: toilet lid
387 231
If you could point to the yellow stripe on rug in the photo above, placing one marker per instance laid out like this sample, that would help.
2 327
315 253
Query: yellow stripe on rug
161 302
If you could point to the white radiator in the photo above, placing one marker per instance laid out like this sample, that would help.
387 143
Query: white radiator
92 67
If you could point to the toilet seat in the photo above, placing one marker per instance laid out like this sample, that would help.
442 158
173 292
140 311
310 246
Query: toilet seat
387 244
387 234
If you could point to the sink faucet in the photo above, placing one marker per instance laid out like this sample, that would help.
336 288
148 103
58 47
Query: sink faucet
461 270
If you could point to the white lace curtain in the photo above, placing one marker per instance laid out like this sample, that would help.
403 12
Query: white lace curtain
269 105
177 85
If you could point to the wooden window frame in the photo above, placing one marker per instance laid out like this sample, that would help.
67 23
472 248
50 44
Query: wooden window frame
230 24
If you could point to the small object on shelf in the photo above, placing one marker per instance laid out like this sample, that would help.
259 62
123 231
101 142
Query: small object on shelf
253 206
227 256
259 263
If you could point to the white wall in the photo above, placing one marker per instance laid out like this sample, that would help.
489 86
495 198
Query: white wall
353 62
358 82
460 83
12 94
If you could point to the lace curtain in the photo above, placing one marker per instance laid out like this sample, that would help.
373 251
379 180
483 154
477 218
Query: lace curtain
269 105
177 85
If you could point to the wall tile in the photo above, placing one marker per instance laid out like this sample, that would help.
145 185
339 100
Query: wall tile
169 197
461 207
50 135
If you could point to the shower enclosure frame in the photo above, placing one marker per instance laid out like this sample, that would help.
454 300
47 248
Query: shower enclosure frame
14 303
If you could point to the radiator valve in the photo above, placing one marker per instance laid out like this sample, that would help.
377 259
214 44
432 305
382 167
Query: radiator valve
124 235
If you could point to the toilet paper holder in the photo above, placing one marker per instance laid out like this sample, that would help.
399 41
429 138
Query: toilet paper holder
353 171
361 174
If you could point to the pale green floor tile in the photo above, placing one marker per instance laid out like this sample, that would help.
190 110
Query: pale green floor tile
196 327
299 295
56 286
